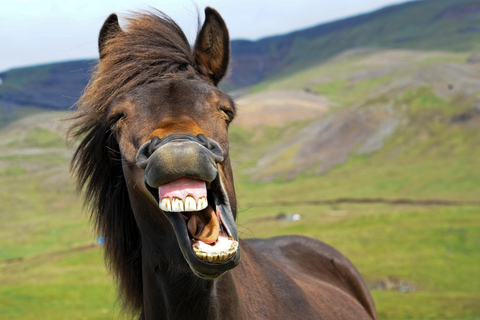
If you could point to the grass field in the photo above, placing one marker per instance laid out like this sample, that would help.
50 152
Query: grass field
420 261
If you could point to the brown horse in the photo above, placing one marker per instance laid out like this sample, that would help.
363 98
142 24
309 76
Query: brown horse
154 163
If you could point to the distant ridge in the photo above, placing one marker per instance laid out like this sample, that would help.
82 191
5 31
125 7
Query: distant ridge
50 86
448 25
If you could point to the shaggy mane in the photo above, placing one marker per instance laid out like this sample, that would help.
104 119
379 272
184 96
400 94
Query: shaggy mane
150 48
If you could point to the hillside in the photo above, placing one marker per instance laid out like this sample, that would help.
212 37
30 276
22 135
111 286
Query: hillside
50 86
381 116
450 25
375 145
413 140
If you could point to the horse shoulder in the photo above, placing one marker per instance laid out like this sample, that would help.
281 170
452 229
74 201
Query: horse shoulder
325 276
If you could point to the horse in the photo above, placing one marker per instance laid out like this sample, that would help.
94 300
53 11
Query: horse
153 163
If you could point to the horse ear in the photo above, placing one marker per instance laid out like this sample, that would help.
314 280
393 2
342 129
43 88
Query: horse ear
109 30
212 47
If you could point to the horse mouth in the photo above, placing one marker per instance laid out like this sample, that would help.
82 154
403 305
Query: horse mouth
199 205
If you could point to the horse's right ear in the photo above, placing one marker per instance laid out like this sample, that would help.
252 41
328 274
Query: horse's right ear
109 30
212 47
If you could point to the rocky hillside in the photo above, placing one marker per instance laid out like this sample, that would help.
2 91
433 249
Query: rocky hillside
368 110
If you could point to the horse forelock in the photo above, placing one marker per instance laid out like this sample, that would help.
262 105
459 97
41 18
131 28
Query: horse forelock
151 48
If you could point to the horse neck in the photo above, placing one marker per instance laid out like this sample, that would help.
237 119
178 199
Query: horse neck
170 289
173 292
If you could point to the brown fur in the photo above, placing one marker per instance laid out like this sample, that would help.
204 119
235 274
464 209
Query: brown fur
174 127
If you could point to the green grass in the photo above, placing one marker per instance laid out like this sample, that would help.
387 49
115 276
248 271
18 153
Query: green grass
435 249
62 285
48 266
50 270
9 115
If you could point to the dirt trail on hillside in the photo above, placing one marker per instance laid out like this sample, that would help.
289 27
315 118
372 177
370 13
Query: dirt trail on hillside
402 201
277 108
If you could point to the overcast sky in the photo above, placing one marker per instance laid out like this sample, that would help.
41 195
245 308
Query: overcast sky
41 31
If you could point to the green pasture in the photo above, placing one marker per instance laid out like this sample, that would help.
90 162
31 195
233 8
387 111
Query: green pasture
420 261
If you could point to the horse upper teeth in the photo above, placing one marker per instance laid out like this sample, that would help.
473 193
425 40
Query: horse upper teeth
165 204
202 203
190 204
177 205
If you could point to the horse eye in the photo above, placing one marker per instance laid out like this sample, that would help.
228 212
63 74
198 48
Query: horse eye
228 113
113 120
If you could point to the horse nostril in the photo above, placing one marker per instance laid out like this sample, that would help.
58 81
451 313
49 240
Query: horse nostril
211 145
146 150
203 140
154 145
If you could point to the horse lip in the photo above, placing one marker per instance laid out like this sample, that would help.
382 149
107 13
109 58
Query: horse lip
145 151
156 165
163 164
199 267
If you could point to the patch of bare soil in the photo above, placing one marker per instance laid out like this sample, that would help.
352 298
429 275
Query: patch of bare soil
277 108
470 117
403 201
392 284
329 141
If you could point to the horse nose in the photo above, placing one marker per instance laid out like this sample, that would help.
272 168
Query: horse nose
178 156
211 145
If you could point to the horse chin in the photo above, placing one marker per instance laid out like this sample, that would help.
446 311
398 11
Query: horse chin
209 256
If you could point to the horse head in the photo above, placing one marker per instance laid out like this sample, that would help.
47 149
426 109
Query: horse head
172 135
155 154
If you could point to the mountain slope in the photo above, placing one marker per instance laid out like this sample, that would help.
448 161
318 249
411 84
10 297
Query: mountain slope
451 25
51 86
408 120
50 267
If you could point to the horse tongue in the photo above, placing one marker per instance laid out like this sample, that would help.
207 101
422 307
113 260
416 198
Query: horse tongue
204 225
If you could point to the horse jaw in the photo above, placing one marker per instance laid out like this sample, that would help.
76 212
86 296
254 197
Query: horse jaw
211 240
207 258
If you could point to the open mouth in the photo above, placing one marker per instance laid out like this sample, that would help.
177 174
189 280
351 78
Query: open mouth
200 207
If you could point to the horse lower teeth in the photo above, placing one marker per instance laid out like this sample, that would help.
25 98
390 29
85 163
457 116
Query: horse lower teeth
216 257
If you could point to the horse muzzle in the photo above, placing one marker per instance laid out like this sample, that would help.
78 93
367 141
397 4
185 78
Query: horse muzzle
181 173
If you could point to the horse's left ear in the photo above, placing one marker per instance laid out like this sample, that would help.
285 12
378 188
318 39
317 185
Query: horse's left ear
212 47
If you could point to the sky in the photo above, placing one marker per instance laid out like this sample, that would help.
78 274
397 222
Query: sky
44 31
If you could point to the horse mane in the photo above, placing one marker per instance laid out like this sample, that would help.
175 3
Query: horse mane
150 48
